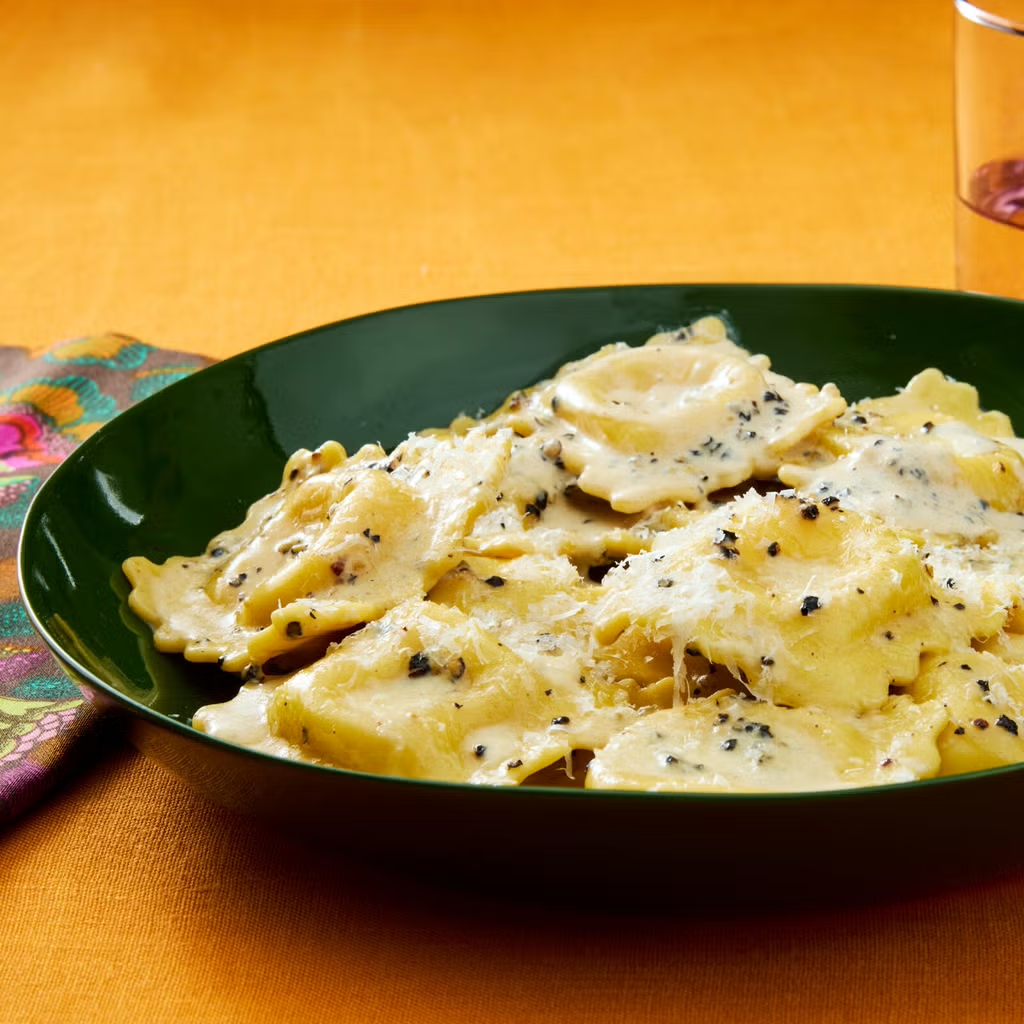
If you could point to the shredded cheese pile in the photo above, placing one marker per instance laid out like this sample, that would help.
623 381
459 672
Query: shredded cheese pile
668 568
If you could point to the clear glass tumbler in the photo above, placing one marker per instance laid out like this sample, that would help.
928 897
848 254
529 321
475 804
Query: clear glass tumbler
989 64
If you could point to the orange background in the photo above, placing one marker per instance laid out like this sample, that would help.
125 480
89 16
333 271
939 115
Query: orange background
217 173
213 175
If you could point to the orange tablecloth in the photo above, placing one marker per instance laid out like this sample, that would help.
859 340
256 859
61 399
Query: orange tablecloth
212 175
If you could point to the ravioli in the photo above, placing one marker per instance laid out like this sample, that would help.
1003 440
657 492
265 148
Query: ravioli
929 399
728 744
340 542
674 420
196 604
950 483
426 692
805 603
670 563
540 509
984 698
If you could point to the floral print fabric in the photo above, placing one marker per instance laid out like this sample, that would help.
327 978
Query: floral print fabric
48 404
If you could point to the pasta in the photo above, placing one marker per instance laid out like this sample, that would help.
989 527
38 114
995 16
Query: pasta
667 568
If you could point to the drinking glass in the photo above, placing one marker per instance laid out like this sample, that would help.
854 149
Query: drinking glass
989 66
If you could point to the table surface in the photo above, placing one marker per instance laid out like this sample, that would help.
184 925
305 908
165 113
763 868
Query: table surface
212 175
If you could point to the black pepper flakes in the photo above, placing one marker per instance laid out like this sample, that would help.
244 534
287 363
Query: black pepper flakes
980 723
665 582
560 720
218 552
238 580
767 661
1008 724
419 665
773 549
809 604
495 581
982 684
959 731
959 606
479 750
517 763
671 759
374 537
810 511
293 629
729 744
725 541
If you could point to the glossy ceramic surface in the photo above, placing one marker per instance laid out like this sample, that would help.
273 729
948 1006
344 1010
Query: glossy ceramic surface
168 474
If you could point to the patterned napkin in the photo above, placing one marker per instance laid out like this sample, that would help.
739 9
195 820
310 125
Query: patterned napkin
48 405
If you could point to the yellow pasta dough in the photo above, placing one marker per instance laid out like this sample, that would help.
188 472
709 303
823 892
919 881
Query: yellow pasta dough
735 745
670 559
671 421
426 692
193 603
806 603
341 541
984 698
540 509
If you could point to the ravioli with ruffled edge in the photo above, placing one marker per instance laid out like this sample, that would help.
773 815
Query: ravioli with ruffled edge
668 568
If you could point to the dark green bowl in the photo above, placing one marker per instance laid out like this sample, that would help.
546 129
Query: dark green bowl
171 472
